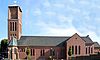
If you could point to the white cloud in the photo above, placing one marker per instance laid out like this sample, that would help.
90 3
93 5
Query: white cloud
47 3
93 36
56 29
61 31
73 10
72 1
37 12
84 2
50 13
63 18
59 5
97 19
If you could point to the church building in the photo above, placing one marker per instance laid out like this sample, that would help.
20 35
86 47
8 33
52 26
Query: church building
43 47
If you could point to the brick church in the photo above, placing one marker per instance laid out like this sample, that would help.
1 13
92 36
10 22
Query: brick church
44 47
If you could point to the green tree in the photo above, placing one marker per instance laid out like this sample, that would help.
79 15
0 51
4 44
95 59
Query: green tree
28 53
4 47
70 52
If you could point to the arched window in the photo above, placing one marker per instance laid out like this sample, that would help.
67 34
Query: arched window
33 52
15 26
79 50
86 50
91 50
72 49
10 26
42 52
52 52
75 49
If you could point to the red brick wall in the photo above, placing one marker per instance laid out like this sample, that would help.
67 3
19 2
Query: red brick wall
75 40
37 51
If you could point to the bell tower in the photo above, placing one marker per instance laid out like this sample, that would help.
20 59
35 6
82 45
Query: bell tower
14 22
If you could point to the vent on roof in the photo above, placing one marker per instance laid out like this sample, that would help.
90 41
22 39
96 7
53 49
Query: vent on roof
87 36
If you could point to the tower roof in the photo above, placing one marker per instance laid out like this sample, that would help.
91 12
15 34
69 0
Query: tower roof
15 5
13 42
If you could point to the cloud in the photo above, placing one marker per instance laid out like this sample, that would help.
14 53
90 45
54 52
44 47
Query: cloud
63 18
47 3
58 5
37 12
73 9
93 36
84 2
50 13
72 1
56 29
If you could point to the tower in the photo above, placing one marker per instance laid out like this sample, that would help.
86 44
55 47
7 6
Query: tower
14 22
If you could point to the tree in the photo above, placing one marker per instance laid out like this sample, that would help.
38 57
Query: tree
28 53
4 44
4 47
70 52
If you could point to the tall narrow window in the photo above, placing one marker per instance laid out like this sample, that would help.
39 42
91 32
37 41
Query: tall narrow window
75 49
89 50
72 49
79 50
86 50
15 26
50 52
33 52
43 52
10 26
53 52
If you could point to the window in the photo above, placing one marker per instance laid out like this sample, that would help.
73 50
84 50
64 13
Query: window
79 50
75 49
10 26
11 53
72 49
52 52
89 50
15 50
23 50
86 50
33 52
15 26
42 52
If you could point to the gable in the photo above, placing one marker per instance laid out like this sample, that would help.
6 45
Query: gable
76 37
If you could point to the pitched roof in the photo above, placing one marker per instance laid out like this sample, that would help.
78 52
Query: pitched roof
41 41
46 40
96 44
87 39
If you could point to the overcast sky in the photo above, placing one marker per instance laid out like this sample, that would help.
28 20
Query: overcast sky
55 17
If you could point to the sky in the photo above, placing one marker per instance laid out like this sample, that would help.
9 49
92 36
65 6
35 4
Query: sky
55 17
